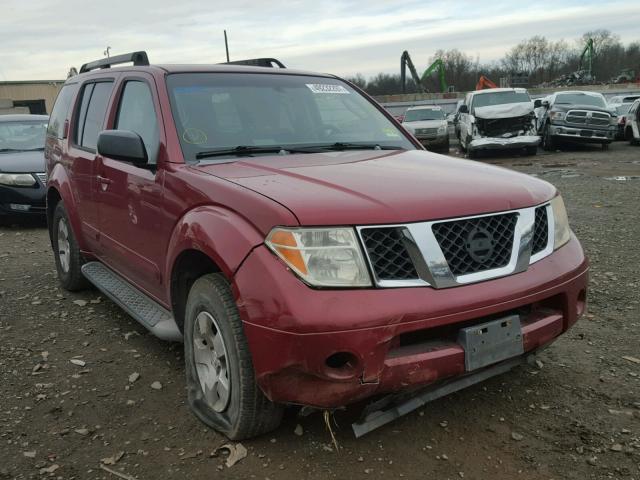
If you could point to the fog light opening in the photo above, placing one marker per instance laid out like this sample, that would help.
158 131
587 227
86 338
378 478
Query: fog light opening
341 365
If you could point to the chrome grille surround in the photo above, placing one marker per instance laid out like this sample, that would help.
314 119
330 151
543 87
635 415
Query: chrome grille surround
431 264
587 117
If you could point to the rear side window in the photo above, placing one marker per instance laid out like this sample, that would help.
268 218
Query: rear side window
91 114
60 111
136 113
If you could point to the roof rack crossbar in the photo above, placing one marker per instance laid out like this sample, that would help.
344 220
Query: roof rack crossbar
138 59
258 62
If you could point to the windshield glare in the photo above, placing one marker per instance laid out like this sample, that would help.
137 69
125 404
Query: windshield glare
422 114
22 135
226 110
581 99
499 98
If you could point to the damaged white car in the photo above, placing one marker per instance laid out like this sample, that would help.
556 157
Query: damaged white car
496 119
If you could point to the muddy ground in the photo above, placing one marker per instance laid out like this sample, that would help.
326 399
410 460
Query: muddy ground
576 417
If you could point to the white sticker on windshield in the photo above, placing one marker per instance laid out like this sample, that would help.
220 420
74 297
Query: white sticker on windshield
326 88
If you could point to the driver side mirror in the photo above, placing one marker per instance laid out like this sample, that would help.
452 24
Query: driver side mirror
463 109
123 145
537 103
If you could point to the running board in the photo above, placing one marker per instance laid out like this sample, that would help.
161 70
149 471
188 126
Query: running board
146 311
391 407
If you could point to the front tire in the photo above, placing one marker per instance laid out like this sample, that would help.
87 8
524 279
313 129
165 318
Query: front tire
222 389
548 142
66 252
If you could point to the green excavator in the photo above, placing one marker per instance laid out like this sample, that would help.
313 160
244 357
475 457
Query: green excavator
405 62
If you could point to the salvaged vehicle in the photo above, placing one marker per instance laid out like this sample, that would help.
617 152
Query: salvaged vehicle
22 177
632 126
499 118
576 116
429 125
303 245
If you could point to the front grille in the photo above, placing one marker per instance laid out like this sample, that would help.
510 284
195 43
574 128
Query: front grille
460 242
583 117
387 253
427 131
540 230
42 177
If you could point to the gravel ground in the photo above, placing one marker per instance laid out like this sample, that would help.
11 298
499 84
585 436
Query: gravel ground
70 401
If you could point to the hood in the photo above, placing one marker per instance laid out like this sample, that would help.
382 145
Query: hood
507 110
22 162
377 187
412 126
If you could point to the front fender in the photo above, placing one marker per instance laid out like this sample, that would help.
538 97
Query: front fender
222 235
59 181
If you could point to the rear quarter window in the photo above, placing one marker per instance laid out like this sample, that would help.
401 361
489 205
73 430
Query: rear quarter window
91 113
60 111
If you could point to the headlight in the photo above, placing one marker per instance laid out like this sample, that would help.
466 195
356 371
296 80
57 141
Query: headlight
556 115
561 223
17 179
442 129
323 257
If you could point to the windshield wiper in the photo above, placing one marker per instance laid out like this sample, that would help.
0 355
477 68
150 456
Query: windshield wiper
241 151
2 150
339 146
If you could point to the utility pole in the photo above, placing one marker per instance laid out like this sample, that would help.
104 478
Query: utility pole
226 45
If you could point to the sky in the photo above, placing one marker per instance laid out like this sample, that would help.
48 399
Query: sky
42 39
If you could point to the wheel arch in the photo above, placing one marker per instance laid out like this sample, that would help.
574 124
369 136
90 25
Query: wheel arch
207 239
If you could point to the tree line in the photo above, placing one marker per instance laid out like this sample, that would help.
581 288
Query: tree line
537 59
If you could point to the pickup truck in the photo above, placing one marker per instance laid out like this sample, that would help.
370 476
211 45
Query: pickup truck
301 244
577 117
497 119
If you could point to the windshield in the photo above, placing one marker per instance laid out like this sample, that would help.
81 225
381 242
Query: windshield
216 111
580 99
421 114
22 135
623 109
499 98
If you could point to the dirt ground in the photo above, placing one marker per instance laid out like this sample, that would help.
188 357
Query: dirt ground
576 417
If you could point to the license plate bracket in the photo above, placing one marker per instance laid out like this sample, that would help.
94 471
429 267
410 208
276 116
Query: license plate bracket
491 342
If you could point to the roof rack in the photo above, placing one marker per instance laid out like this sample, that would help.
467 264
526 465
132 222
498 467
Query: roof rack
138 59
258 62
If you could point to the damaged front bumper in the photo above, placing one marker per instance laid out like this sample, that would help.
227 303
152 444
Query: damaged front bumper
498 143
329 348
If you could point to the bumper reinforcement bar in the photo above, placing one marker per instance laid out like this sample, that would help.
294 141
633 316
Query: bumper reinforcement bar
391 407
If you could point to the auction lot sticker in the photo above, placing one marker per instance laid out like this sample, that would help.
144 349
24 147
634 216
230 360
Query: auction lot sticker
326 88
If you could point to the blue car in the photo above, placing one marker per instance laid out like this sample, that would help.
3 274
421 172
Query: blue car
22 172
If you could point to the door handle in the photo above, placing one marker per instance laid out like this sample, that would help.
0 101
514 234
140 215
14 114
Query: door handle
104 180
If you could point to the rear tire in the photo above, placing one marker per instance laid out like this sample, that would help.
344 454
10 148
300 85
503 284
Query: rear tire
221 384
66 252
531 151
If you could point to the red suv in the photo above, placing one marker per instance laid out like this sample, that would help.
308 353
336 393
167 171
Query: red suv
305 248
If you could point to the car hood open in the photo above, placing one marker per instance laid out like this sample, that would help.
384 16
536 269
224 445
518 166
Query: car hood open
378 187
22 162
507 110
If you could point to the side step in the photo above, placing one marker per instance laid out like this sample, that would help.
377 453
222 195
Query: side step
153 316
391 407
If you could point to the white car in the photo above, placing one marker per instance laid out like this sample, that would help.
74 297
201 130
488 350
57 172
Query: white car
496 119
632 128
429 125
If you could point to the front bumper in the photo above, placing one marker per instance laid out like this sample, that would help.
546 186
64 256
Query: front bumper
585 135
431 141
497 143
397 338
22 201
